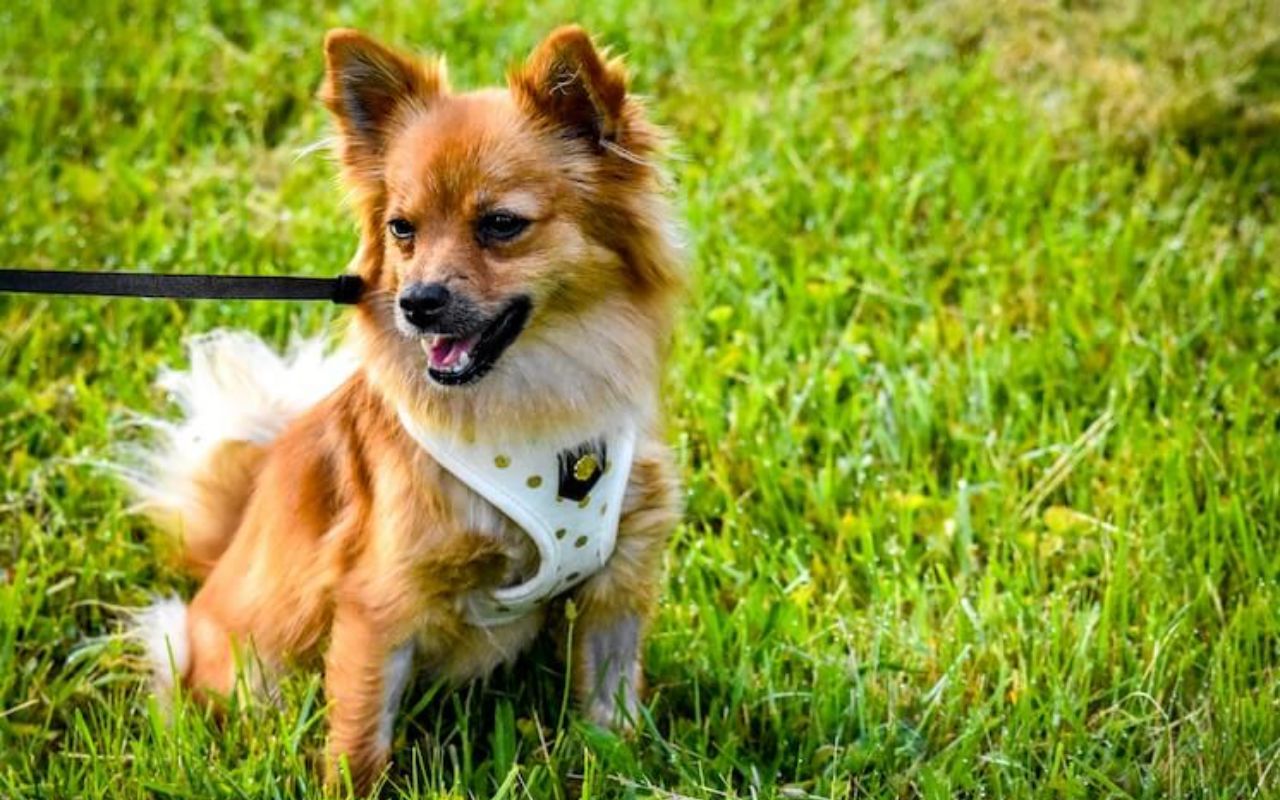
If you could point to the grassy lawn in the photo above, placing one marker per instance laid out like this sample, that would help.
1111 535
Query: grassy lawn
977 395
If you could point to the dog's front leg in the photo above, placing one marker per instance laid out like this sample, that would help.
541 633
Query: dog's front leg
615 605
608 671
365 676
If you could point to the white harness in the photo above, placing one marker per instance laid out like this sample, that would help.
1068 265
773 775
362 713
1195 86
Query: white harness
565 492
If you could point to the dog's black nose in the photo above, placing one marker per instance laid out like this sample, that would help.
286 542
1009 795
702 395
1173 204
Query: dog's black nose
423 302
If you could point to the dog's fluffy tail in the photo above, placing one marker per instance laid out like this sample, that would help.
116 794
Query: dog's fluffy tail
236 396
161 630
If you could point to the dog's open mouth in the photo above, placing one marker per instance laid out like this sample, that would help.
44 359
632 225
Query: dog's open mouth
453 360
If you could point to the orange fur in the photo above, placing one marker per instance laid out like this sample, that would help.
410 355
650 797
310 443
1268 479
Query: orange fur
343 539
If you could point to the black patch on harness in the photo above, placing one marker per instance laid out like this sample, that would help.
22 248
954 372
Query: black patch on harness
581 468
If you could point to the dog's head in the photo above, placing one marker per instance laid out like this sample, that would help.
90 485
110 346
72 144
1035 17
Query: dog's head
517 249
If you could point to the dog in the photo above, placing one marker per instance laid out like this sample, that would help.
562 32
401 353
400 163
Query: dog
490 437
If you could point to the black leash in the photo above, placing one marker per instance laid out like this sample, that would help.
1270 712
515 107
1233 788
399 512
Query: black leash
344 289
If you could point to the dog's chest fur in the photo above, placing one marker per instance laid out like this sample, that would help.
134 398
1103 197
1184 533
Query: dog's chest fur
447 645
475 516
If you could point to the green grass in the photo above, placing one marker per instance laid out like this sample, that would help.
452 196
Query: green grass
976 395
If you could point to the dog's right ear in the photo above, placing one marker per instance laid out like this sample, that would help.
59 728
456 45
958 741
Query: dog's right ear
570 84
368 88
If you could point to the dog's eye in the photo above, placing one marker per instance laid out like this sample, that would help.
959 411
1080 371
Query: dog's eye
400 228
500 226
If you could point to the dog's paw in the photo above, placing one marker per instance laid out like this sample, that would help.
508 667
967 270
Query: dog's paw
620 714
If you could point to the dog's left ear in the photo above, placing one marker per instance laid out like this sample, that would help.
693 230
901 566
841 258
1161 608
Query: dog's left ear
567 83
368 87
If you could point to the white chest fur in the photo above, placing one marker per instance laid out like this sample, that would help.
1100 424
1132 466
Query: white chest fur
565 492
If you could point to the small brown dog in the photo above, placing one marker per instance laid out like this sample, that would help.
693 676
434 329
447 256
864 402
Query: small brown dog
491 439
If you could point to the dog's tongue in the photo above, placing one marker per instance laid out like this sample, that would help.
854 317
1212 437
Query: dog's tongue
446 351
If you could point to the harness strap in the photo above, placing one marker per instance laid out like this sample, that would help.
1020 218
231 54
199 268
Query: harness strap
573 531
